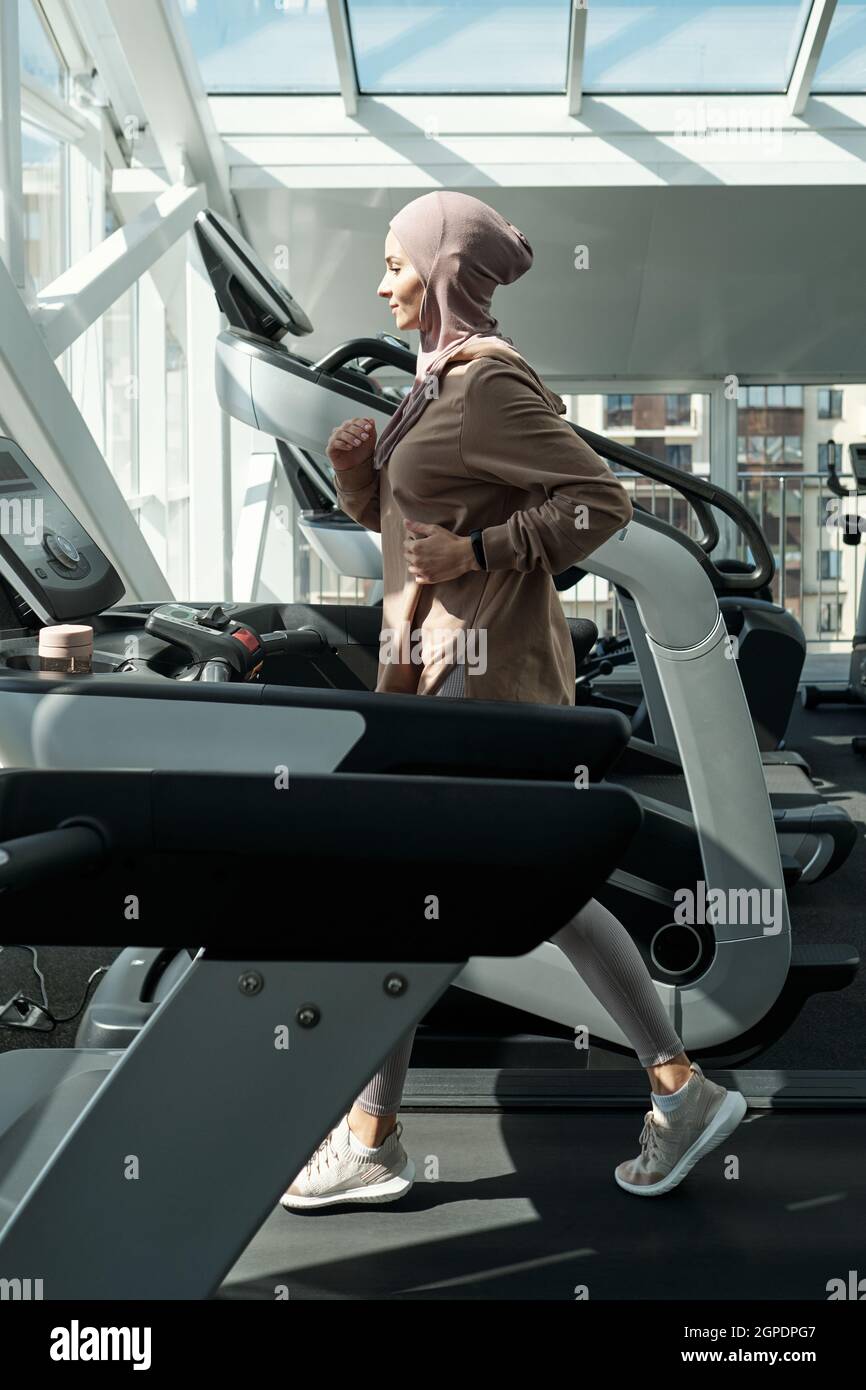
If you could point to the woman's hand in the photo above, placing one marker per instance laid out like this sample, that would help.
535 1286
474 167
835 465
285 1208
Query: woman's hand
434 554
351 443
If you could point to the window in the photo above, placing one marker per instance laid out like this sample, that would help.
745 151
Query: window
843 62
775 396
793 448
618 411
830 564
831 617
120 369
460 45
680 455
44 170
794 396
40 56
756 396
177 465
756 448
774 449
678 410
831 452
263 45
690 46
829 404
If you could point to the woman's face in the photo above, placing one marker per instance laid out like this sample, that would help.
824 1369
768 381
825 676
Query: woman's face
401 286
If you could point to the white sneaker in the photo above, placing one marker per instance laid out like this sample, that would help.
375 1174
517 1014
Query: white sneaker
336 1172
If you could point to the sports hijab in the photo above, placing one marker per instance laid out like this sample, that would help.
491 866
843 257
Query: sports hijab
461 249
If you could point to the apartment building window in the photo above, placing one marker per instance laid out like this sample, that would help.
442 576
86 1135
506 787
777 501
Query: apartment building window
829 404
830 564
756 448
827 453
793 448
618 410
678 410
679 456
831 617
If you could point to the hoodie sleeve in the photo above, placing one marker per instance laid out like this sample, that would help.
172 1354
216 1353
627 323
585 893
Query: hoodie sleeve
358 493
510 435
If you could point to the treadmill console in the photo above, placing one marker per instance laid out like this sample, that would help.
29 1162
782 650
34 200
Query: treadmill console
247 293
46 556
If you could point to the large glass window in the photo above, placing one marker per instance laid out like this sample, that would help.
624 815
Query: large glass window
692 46
120 348
460 45
177 465
262 45
843 62
40 56
44 170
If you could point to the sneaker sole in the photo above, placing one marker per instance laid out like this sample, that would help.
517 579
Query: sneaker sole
725 1121
376 1194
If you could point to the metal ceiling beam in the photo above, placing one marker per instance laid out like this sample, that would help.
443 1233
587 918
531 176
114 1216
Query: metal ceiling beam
576 51
159 55
809 56
342 37
40 413
82 294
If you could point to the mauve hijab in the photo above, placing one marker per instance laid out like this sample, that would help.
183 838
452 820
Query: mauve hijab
461 249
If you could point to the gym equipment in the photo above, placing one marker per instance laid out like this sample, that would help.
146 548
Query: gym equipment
260 381
268 1036
181 704
274 390
770 652
852 525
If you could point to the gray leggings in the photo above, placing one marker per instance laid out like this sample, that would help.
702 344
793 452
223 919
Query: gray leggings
606 958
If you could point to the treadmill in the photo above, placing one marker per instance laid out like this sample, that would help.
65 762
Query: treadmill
256 689
272 388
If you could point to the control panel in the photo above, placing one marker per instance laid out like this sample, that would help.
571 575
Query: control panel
46 555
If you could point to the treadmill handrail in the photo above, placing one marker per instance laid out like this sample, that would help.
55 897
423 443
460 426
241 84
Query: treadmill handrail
389 354
700 494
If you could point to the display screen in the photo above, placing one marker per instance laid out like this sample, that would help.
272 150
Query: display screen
9 469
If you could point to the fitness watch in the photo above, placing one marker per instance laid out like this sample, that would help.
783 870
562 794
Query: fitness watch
478 547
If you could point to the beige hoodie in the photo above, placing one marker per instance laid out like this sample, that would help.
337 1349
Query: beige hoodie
493 452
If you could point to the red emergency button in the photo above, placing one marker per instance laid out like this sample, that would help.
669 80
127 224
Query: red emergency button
249 639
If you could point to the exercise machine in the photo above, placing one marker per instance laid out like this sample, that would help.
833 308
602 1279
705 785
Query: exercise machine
144 1173
852 527
262 382
189 688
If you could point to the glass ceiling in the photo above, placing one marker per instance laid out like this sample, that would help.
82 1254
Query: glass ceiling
521 46
843 63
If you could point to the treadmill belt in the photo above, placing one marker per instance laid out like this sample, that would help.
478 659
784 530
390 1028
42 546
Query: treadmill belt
525 1207
788 786
671 789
